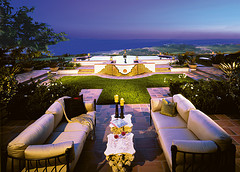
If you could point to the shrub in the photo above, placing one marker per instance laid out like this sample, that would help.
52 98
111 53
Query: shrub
208 96
217 59
69 65
69 68
32 100
8 83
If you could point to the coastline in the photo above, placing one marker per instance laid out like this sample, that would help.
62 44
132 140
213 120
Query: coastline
80 46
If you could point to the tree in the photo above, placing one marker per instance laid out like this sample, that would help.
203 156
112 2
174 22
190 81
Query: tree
21 37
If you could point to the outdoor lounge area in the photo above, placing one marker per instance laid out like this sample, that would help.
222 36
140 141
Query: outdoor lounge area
149 153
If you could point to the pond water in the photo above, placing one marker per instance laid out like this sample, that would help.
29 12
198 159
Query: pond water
128 57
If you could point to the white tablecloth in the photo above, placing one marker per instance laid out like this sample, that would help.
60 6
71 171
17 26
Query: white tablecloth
126 118
124 144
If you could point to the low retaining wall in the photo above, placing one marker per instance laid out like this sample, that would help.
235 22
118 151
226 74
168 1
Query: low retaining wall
66 72
180 69
91 63
162 61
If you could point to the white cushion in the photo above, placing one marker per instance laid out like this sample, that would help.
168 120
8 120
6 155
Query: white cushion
183 106
206 129
36 133
163 121
47 150
78 137
57 110
196 146
156 103
166 137
74 126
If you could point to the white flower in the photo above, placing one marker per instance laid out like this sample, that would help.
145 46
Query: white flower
48 89
55 83
192 88
196 95
52 95
25 95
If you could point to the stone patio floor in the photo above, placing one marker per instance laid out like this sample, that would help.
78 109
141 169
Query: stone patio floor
149 155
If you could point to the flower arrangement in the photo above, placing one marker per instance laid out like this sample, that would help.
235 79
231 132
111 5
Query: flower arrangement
124 129
119 162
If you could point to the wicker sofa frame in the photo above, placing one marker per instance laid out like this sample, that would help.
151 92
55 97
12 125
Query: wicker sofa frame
42 163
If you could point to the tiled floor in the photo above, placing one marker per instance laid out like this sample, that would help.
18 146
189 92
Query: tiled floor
90 94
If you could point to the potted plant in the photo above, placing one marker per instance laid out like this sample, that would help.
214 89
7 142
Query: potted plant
192 62
27 65
216 60
53 66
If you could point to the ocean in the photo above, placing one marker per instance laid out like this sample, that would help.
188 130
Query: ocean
80 46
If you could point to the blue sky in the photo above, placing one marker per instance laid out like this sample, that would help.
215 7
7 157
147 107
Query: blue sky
139 19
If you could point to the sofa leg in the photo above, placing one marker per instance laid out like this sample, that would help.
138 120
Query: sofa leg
150 112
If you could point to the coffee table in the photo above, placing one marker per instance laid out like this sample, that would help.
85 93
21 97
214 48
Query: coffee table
120 151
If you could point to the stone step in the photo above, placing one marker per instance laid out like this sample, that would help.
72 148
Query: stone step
162 70
206 75
40 77
195 76
212 75
85 72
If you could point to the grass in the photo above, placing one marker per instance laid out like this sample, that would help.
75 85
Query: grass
134 91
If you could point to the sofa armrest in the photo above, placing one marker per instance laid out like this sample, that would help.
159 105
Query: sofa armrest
197 155
40 152
90 105
195 146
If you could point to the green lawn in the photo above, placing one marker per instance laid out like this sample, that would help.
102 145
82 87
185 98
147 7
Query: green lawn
134 91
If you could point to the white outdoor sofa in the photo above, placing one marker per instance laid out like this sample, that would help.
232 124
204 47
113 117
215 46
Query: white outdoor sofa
191 141
50 143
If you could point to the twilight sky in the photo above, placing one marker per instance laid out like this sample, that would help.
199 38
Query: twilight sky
139 19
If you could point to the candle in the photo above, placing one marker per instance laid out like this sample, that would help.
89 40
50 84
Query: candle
121 102
116 98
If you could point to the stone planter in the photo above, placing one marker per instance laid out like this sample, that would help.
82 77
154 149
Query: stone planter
54 69
28 69
216 65
193 66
